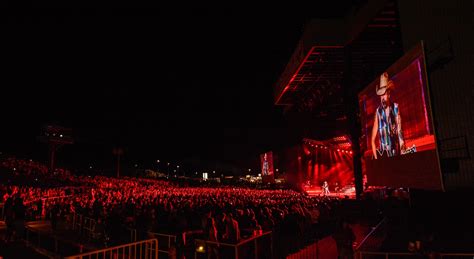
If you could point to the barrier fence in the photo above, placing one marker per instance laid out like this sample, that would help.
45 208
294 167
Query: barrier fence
391 255
248 248
311 251
166 242
84 225
146 249
49 244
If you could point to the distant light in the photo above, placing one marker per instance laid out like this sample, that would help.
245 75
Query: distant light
250 169
177 166
338 150
200 249
259 175
90 167
350 152
158 161
61 135
174 170
277 169
136 165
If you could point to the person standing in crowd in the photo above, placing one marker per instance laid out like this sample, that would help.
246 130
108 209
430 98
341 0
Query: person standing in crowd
211 231
232 231
9 216
344 237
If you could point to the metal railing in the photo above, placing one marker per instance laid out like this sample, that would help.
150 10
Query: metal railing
146 249
456 255
165 241
48 244
311 251
372 240
171 240
388 255
201 246
84 225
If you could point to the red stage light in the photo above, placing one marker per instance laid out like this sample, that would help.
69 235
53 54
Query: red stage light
350 152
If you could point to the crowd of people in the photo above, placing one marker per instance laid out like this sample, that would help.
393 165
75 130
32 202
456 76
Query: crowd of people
30 167
225 214
218 214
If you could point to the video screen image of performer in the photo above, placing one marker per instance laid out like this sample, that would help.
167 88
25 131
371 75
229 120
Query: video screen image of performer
387 122
395 116
397 130
265 167
266 161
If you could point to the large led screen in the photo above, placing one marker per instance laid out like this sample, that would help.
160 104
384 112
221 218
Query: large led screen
266 161
398 140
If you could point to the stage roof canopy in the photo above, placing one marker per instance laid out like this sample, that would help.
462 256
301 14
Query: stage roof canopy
312 79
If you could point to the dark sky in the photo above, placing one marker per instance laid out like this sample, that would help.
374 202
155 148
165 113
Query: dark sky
171 84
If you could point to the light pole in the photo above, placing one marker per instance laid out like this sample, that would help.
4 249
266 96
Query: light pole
168 170
118 152
158 167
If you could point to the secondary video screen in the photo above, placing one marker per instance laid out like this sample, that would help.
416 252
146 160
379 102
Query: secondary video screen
266 161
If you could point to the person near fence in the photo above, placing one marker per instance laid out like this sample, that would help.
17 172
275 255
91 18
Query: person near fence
9 216
211 231
344 237
232 230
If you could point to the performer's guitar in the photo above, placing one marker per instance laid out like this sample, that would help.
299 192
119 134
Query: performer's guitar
409 150
391 153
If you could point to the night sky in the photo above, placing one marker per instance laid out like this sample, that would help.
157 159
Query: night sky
172 85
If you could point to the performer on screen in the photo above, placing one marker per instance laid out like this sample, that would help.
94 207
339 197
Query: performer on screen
387 122
265 166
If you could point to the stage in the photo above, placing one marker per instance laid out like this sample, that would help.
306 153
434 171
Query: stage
347 191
